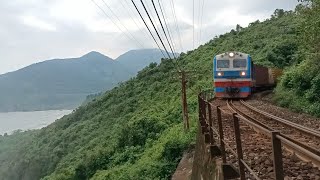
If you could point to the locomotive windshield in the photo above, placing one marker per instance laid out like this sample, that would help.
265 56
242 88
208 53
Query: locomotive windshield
239 63
223 63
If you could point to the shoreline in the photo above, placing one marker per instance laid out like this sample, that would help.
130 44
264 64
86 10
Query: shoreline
29 120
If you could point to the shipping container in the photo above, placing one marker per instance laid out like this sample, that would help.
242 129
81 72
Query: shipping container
260 75
264 76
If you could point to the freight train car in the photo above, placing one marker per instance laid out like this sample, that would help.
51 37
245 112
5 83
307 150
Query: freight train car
236 76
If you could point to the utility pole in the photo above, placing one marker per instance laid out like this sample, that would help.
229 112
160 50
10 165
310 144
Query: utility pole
184 100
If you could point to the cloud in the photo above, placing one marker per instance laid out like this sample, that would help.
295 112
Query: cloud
36 30
37 23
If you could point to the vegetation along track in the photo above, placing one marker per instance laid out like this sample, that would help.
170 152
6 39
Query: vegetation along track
302 141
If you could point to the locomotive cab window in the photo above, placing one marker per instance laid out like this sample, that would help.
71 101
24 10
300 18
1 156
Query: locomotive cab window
239 63
223 63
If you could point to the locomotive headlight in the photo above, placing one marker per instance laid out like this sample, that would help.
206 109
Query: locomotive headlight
231 54
219 73
243 73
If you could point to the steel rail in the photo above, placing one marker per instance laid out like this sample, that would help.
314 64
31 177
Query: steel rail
311 149
305 146
291 144
262 127
283 121
313 157
231 107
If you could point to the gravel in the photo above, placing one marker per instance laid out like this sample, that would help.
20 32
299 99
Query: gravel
257 148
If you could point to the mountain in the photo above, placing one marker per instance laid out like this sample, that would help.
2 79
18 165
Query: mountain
135 130
66 83
135 60
59 83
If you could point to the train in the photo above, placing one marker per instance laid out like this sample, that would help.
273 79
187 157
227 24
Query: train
235 75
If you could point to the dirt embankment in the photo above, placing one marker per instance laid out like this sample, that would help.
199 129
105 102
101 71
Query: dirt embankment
196 164
184 169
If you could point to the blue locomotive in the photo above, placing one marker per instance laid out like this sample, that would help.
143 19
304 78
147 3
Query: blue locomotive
236 76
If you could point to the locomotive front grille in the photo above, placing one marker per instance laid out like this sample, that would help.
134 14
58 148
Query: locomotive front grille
232 90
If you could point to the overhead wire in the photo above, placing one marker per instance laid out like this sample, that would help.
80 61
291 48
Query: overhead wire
149 10
164 31
129 13
201 21
165 22
168 29
147 26
200 18
198 21
120 22
176 23
134 14
138 24
110 18
129 35
155 29
193 23
151 15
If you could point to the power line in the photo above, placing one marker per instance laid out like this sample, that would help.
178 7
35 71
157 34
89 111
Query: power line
121 23
164 18
134 13
173 53
155 29
163 28
201 21
193 23
199 12
131 16
109 17
147 27
168 30
149 9
138 24
176 22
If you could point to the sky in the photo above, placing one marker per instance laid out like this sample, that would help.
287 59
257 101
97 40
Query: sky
36 30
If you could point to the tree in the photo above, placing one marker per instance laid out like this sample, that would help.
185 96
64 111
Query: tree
278 13
299 8
238 28
310 26
283 54
233 32
254 23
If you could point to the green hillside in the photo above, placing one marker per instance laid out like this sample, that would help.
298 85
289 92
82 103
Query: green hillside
135 131
300 86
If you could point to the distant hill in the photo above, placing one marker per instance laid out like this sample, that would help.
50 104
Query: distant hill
59 83
65 83
135 60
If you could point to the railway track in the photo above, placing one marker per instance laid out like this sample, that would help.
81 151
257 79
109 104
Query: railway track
302 141
258 144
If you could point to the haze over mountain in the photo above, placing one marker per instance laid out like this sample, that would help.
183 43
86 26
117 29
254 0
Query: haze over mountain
64 83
